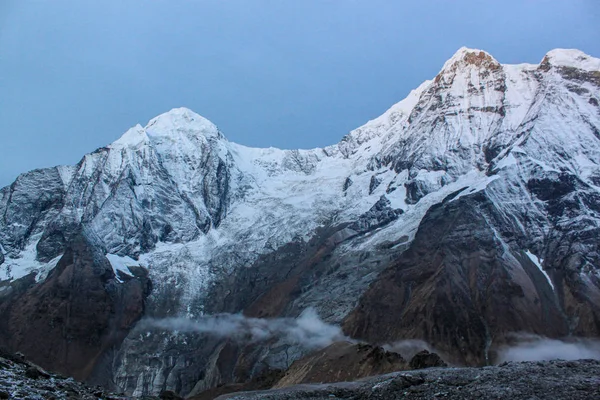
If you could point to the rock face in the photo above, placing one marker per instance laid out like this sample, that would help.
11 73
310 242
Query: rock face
76 316
342 361
543 380
20 379
459 275
468 211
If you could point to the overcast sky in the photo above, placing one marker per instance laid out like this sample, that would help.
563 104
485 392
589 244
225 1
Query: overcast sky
76 74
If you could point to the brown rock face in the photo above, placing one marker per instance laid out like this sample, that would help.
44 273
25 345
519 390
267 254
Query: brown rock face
340 362
66 323
460 288
479 60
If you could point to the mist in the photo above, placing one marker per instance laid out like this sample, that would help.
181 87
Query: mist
307 331
522 347
537 348
408 348
310 332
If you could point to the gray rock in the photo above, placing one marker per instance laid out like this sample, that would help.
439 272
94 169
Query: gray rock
568 380
425 359
22 380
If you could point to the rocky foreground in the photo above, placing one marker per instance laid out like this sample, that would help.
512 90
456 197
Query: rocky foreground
20 379
526 380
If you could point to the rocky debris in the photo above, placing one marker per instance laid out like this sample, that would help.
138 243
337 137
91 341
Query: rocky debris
34 372
557 380
425 359
20 379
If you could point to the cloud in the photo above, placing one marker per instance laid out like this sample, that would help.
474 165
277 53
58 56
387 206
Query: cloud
408 348
537 348
307 331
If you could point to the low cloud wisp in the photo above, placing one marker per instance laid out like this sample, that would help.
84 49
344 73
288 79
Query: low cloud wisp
307 331
409 347
537 348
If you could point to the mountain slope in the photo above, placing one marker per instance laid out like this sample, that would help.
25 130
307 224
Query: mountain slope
468 211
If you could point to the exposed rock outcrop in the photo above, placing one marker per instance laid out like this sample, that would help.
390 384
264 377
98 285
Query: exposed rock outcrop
425 359
342 361
79 314
21 379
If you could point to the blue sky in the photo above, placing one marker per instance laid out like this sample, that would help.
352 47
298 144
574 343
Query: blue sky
75 75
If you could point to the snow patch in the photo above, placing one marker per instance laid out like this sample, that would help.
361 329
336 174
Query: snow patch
507 161
121 264
66 174
17 268
538 263
474 182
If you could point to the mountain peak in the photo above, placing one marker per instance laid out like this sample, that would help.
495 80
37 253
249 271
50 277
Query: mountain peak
182 120
470 57
572 58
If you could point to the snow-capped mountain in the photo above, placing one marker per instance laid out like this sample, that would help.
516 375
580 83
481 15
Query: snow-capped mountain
467 211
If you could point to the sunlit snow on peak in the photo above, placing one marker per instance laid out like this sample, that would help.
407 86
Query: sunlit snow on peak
572 58
182 120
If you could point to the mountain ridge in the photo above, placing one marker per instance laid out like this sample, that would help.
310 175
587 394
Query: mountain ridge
477 195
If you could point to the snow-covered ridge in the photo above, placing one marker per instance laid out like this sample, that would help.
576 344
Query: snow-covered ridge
573 58
177 189
183 120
